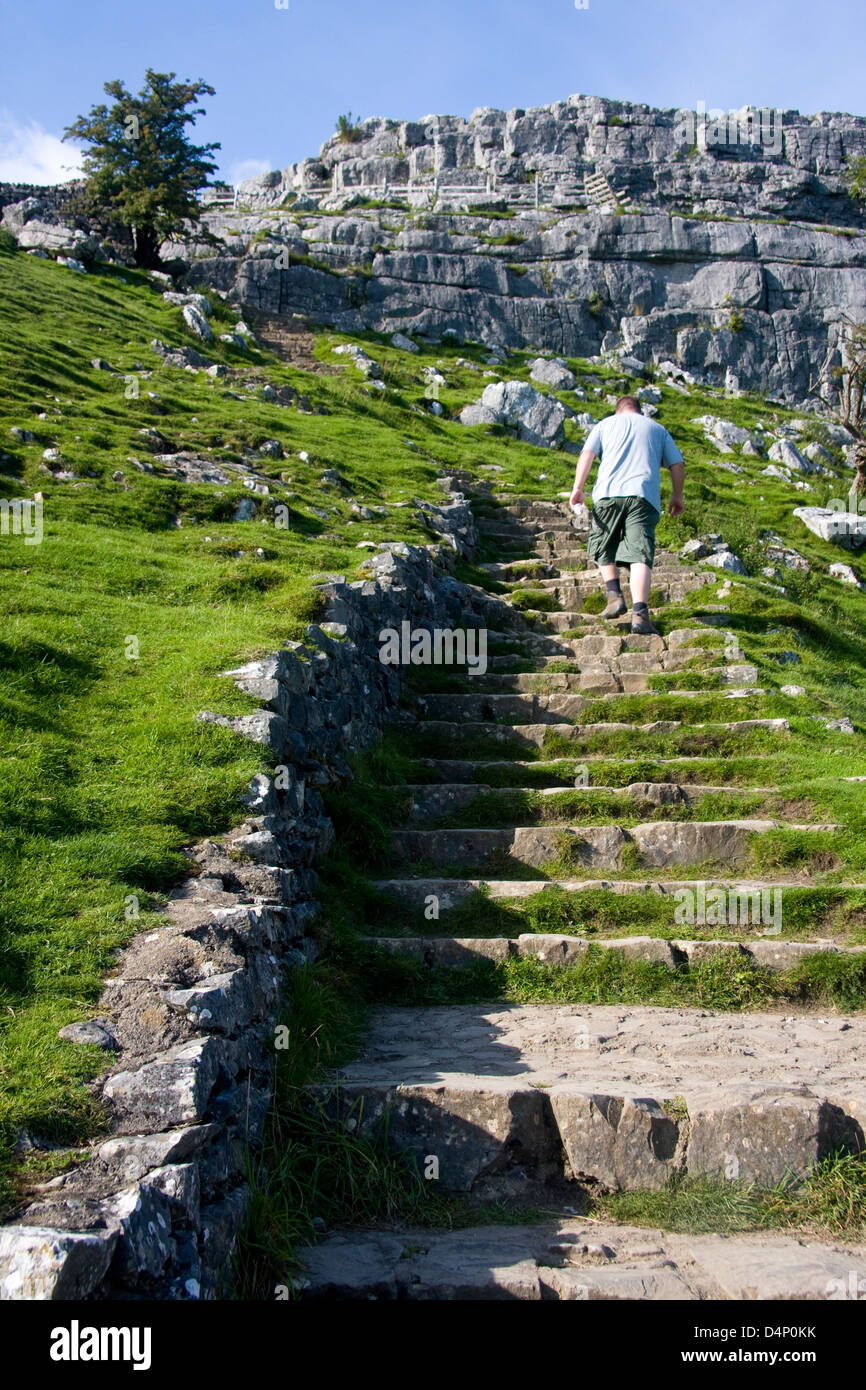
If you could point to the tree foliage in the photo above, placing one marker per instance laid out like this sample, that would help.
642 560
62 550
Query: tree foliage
347 128
855 178
141 170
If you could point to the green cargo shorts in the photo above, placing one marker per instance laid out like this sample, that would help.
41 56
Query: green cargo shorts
623 531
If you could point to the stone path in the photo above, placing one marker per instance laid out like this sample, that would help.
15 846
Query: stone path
510 1099
577 1260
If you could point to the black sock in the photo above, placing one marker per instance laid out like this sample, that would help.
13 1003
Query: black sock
613 588
641 608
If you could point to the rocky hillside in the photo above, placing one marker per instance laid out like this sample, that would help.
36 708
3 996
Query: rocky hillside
731 247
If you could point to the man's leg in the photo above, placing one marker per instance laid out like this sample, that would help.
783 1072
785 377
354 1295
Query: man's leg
603 540
640 542
616 604
641 582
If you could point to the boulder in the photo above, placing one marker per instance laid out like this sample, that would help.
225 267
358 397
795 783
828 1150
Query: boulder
847 529
783 451
694 550
552 371
845 574
539 419
650 394
198 302
723 432
57 239
15 215
196 321
725 560
478 415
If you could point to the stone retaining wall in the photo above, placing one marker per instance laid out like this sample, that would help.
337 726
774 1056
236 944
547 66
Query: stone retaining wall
189 1016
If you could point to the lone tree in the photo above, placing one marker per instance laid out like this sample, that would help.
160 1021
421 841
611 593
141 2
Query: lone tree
347 128
141 171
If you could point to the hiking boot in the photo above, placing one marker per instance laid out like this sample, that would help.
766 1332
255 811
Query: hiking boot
642 627
616 607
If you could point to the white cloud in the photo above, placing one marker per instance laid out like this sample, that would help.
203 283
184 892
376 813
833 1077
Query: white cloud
247 169
29 154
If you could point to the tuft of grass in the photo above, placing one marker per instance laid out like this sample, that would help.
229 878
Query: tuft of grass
830 1203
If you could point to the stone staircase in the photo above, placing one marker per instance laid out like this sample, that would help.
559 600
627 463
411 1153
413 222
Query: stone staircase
543 1102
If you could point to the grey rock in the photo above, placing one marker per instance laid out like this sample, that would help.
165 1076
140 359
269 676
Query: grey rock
57 239
196 321
97 1031
40 1264
619 1142
786 453
845 574
756 1136
847 529
478 415
173 1090
552 371
199 302
538 419
399 340
725 560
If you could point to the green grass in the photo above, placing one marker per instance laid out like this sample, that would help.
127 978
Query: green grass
599 976
829 1203
597 913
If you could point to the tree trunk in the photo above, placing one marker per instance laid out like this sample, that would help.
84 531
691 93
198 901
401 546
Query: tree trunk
146 243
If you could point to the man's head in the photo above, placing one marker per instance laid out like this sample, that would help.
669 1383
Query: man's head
627 403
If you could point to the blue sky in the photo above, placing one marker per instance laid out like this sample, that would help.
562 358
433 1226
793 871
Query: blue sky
283 75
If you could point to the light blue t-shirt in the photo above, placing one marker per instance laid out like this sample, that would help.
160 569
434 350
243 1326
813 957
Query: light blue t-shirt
633 450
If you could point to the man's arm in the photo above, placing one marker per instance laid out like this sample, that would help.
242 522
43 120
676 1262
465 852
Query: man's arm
676 506
582 472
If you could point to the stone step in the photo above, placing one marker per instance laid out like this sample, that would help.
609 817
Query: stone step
660 844
432 802
567 619
588 582
554 948
415 893
597 682
534 735
572 1259
642 664
499 529
508 571
559 772
599 638
625 1097
532 707
520 506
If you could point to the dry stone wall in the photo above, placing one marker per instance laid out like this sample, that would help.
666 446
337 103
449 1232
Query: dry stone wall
188 1020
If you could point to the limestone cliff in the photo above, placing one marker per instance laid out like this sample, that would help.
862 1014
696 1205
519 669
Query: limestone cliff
730 244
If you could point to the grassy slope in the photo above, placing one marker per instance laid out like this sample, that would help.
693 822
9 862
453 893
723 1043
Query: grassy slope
105 774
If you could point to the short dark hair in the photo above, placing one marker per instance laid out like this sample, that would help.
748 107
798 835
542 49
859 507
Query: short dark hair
627 403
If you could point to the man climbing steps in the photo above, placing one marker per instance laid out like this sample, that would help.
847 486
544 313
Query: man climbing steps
627 502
